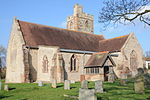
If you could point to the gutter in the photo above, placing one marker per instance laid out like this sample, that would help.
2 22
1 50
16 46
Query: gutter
77 51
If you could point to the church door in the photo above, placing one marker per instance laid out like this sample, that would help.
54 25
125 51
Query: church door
106 72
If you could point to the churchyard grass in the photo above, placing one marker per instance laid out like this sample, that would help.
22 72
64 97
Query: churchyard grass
31 91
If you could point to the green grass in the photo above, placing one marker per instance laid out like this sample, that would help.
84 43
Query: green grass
30 91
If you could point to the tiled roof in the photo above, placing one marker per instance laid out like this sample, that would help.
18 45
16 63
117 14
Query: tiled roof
36 34
147 58
114 44
98 59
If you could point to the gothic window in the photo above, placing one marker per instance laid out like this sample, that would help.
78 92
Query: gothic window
73 65
71 25
45 64
133 60
86 24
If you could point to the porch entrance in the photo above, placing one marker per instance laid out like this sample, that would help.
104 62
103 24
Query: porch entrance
106 73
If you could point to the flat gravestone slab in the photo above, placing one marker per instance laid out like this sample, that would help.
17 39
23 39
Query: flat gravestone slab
99 86
84 84
67 85
54 84
87 94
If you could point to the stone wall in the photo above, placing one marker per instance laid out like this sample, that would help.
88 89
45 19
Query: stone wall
81 61
33 63
123 60
48 52
14 60
94 77
59 65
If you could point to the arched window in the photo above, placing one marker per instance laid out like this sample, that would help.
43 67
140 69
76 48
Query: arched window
45 64
133 60
71 25
86 24
73 63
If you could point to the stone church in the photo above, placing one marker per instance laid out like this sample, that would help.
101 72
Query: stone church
44 53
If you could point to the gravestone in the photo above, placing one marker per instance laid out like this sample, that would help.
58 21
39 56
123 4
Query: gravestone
111 76
146 80
139 84
6 87
84 84
0 85
54 84
139 81
72 81
40 83
87 94
123 82
67 85
99 86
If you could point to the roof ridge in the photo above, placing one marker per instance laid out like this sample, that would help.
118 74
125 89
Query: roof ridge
61 28
115 38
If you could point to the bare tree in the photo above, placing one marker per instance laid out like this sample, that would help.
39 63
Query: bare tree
2 56
123 11
147 54
2 51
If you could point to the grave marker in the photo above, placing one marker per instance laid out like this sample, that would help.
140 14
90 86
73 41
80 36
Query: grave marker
67 85
99 86
40 83
84 84
54 84
86 94
6 88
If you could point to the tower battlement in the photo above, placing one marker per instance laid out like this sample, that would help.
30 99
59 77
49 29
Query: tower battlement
80 21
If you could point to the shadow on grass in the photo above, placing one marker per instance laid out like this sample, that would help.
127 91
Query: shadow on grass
115 88
72 87
24 99
148 98
148 92
58 86
1 96
12 88
99 98
90 88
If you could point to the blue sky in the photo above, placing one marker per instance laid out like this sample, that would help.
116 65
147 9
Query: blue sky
55 12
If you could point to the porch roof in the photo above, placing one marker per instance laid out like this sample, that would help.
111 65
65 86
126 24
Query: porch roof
99 59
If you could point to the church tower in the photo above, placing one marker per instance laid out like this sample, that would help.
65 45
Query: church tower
80 21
